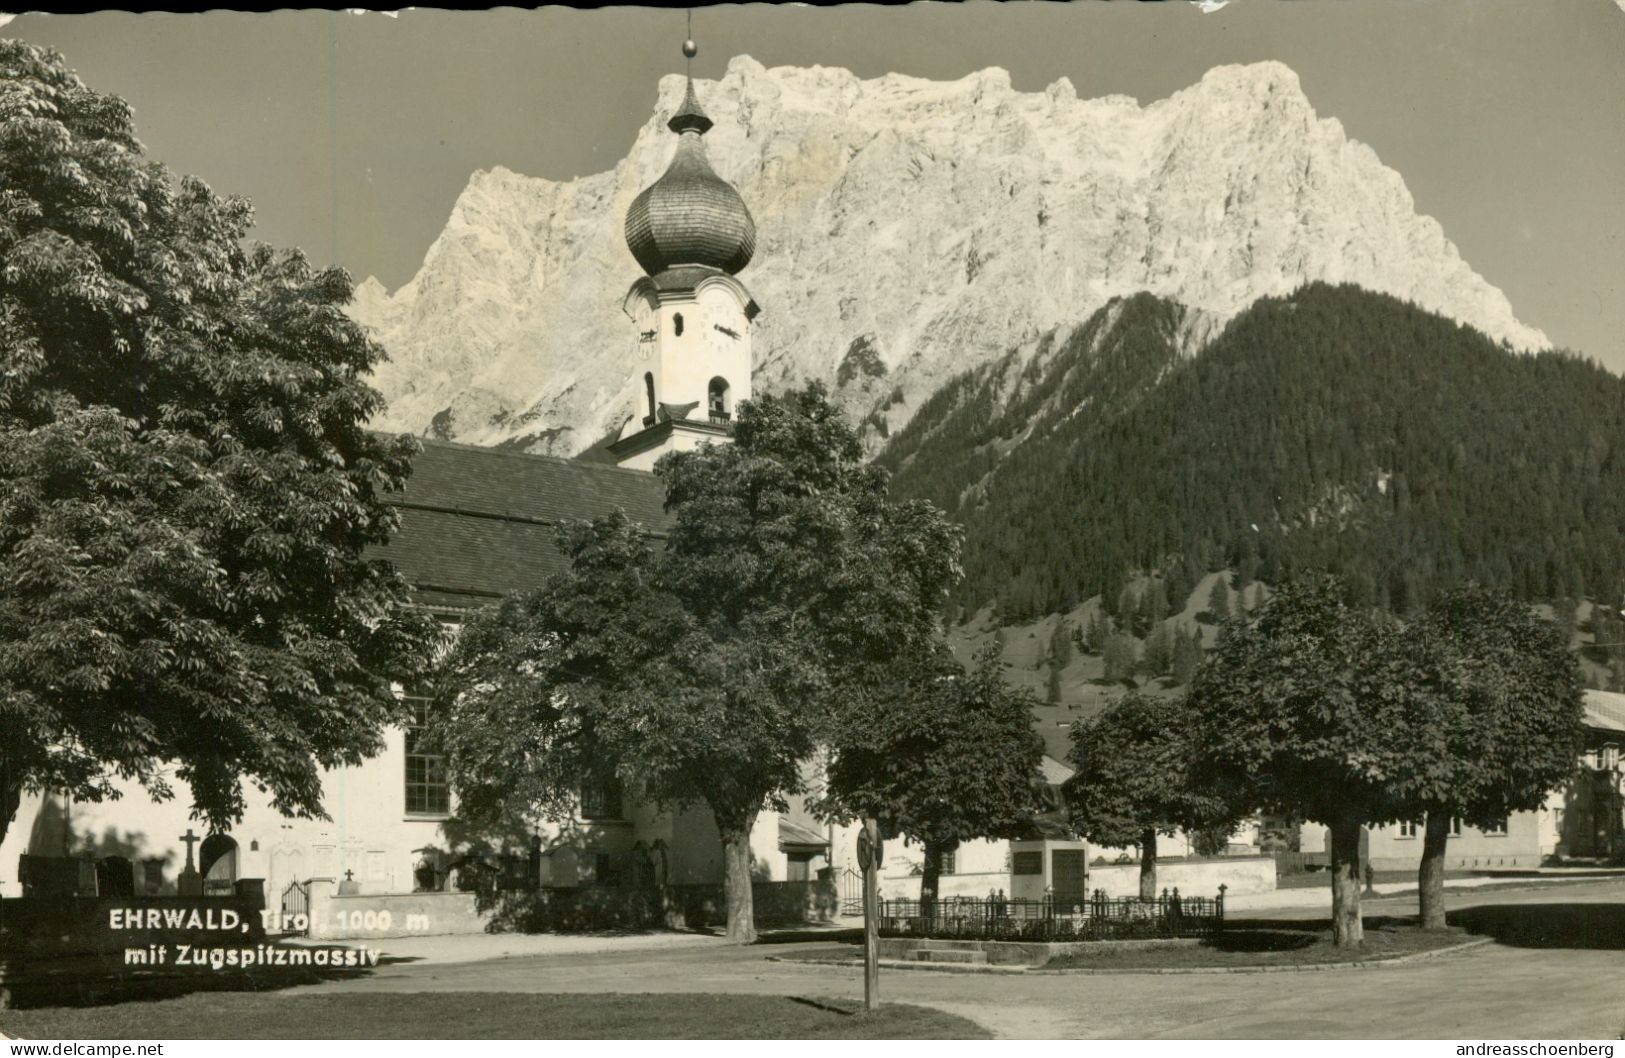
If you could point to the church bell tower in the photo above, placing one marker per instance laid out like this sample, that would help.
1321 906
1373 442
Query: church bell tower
691 318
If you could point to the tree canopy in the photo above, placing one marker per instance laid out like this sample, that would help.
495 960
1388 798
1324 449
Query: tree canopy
1132 780
944 756
788 593
1505 729
1307 712
186 481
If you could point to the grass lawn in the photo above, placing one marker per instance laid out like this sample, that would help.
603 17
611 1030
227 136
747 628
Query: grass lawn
487 1015
1273 942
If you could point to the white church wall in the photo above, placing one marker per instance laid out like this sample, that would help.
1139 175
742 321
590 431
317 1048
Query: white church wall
369 834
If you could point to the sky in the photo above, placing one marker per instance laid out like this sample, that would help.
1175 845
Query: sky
353 133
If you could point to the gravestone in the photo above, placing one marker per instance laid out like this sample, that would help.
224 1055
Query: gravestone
349 887
152 870
190 882
251 889
87 874
48 877
115 876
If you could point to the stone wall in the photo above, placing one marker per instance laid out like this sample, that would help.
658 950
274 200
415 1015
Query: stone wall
364 916
38 928
1242 874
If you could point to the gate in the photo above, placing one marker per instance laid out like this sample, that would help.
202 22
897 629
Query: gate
295 901
851 892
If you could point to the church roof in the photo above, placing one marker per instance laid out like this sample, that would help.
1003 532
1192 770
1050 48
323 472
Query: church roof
478 523
1605 710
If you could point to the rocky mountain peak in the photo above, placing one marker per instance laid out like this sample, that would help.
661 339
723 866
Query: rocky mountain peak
908 229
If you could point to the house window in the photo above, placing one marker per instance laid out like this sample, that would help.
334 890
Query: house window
1455 826
1408 829
649 391
427 791
947 863
1497 829
1027 863
798 867
1610 756
601 800
677 324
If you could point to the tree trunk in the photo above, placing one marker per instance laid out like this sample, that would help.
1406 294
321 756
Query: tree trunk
737 879
1347 929
1148 864
930 876
1430 874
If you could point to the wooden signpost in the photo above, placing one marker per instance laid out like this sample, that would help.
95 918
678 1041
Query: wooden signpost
870 856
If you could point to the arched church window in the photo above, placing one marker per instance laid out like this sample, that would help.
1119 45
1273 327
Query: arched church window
717 401
649 389
677 324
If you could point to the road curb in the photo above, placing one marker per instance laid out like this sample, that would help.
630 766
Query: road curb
1167 971
1364 964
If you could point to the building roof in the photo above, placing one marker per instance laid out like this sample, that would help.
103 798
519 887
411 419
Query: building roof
796 837
478 523
1605 710
1054 771
690 216
690 115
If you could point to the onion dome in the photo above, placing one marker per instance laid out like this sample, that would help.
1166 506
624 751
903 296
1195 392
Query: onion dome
690 216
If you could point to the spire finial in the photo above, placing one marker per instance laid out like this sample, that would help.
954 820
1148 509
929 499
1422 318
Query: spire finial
689 115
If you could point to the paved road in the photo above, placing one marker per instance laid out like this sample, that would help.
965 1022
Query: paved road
1494 991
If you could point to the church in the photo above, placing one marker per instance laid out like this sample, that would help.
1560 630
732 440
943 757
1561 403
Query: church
475 525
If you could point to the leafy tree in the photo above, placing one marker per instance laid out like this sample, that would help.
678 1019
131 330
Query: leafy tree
1187 657
1307 713
1158 656
950 757
1132 780
1121 657
1505 732
788 598
187 487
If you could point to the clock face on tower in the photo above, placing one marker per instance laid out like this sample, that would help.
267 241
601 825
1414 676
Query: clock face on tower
645 332
724 323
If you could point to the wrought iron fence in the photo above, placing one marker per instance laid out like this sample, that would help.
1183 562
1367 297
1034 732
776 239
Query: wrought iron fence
1094 917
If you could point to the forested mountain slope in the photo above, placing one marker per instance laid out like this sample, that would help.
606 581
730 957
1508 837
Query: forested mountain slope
1333 427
